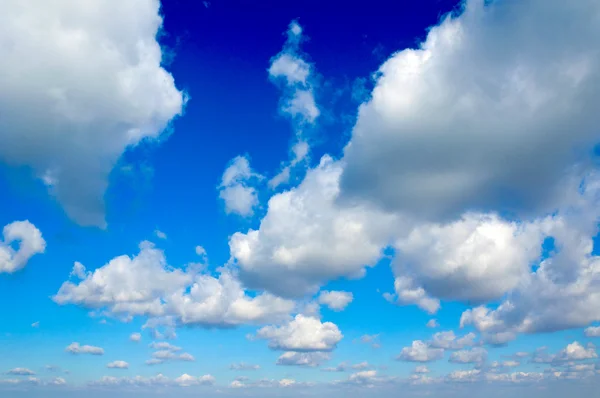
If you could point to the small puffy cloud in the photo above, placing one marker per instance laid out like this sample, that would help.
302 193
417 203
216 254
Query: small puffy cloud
160 234
419 351
449 341
238 196
309 359
576 352
432 324
306 239
20 372
186 380
163 345
464 376
76 348
89 87
474 355
30 243
592 331
365 378
118 365
135 337
302 334
167 354
335 300
408 292
243 366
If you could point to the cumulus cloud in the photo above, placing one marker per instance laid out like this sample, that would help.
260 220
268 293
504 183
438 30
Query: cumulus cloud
483 110
76 348
419 351
592 331
236 191
146 285
432 324
30 243
135 337
449 341
309 359
474 355
303 334
305 239
572 352
294 75
118 365
335 300
80 83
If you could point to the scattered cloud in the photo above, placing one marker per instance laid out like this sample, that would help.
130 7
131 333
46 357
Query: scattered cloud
30 243
76 348
118 365
335 300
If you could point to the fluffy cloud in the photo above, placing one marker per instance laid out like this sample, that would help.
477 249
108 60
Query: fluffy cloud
294 75
449 341
76 348
83 81
118 365
146 285
21 372
477 258
492 105
572 352
302 334
235 190
474 355
592 331
432 324
419 351
30 242
306 239
135 337
335 300
309 359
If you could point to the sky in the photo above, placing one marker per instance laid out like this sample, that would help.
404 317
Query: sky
271 199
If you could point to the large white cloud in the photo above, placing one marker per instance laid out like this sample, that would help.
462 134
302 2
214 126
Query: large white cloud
306 239
146 285
486 115
81 81
302 334
30 242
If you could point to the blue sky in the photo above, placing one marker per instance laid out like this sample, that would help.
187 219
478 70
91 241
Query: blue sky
232 199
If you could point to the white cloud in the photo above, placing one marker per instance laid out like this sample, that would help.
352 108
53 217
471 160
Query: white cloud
449 341
494 104
295 76
80 82
474 355
572 352
35 324
335 300
243 366
309 359
146 285
185 380
160 234
29 239
136 337
464 376
421 369
163 345
419 351
432 324
407 292
235 190
302 334
592 331
76 348
366 378
306 239
21 372
118 365
477 258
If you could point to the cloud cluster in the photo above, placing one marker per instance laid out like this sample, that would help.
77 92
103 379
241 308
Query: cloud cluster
30 243
146 285
83 81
